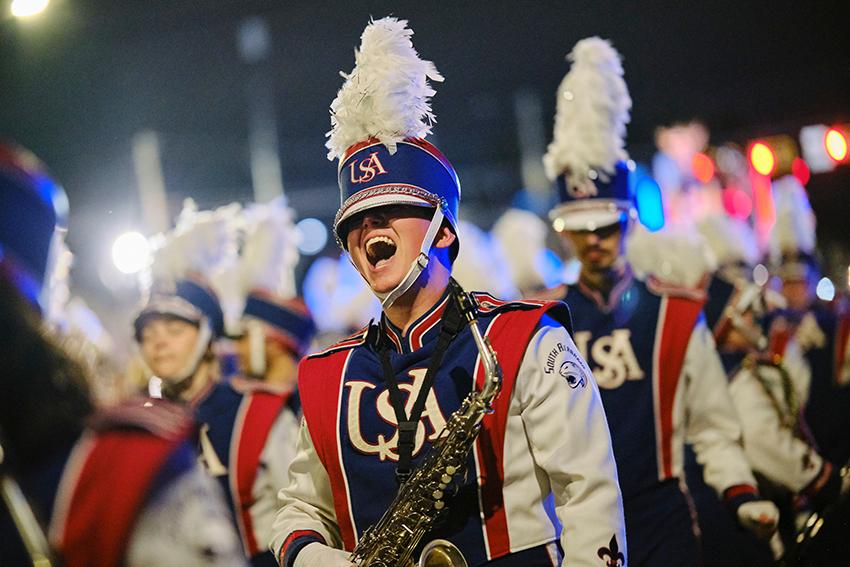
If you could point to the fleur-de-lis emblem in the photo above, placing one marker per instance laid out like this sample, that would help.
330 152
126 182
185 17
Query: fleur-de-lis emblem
615 558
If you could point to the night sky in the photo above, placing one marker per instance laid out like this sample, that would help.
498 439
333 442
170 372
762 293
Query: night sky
77 83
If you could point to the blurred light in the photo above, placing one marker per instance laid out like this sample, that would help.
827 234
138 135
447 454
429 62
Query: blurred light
812 140
825 290
702 167
760 275
763 205
649 205
130 252
836 144
314 236
762 158
27 8
800 170
737 202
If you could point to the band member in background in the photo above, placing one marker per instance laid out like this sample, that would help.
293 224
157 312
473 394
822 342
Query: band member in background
112 487
247 427
660 377
375 403
276 325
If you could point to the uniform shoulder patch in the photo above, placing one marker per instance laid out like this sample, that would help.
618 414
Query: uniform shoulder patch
159 417
351 341
657 286
250 386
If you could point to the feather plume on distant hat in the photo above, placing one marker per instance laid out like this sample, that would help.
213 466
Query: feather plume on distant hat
591 115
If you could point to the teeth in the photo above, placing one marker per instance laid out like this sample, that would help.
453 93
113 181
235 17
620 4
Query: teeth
376 239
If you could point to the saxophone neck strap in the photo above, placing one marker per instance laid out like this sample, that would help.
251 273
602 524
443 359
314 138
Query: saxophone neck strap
407 425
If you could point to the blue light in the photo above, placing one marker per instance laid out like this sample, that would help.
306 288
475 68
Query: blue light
649 205
826 289
314 236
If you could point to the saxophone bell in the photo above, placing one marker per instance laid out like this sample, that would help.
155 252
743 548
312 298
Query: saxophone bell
441 553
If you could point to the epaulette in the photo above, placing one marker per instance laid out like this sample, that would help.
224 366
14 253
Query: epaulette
660 287
159 417
488 304
557 293
251 385
351 341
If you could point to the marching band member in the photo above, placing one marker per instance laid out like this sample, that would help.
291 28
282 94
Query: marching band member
374 403
70 459
661 380
247 428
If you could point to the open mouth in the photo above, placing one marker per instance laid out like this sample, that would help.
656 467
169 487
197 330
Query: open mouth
379 250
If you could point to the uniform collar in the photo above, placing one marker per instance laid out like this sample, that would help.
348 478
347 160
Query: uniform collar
623 283
422 331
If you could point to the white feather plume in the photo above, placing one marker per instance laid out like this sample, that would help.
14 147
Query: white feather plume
677 256
270 248
591 115
794 230
202 243
481 265
732 240
387 94
521 236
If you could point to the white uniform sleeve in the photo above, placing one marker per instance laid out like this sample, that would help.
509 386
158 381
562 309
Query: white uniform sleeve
566 427
186 523
712 425
306 503
771 446
273 472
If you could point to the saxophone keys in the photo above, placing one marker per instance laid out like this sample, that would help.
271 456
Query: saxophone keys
445 479
439 504
451 470
438 495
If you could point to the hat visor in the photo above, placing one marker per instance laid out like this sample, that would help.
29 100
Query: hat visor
588 216
374 200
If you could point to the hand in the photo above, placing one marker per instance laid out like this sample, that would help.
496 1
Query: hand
319 555
760 517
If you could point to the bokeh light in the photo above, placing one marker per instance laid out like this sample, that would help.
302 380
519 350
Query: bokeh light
836 144
27 8
762 158
314 236
131 252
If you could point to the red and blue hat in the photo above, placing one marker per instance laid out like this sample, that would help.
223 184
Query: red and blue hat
598 202
32 207
417 174
191 299
289 320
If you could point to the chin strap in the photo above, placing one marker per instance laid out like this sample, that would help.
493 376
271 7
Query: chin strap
256 348
418 265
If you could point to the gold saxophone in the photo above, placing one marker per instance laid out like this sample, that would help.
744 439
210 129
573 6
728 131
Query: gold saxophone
419 505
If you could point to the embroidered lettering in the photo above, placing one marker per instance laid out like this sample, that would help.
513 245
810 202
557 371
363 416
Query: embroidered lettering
365 170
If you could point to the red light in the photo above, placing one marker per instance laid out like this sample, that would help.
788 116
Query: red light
836 144
737 202
703 168
762 158
800 170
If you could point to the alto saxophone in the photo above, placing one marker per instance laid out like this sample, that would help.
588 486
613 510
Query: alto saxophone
420 503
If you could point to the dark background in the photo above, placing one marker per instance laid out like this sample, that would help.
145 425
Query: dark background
79 81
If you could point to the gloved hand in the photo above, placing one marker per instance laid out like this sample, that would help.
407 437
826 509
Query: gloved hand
319 555
760 517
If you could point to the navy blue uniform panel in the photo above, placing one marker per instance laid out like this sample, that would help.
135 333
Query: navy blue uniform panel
218 413
719 293
626 388
828 408
374 479
723 542
660 529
